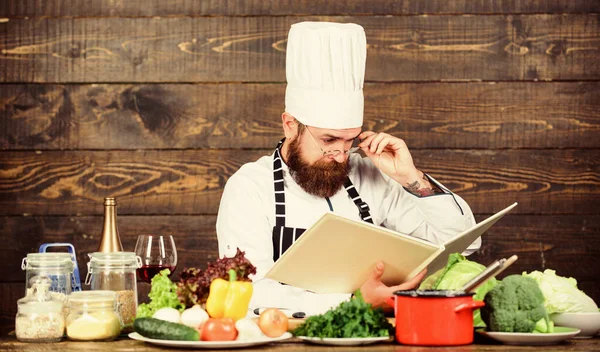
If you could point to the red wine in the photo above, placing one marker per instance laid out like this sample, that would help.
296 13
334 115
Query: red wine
147 272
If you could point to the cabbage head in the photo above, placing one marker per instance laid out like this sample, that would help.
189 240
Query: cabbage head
455 275
561 293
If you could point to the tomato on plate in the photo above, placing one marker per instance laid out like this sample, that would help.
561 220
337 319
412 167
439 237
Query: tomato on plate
222 329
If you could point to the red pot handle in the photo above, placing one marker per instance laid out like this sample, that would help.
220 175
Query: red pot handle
390 301
469 305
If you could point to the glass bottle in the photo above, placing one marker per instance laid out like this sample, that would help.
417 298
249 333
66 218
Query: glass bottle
93 316
40 317
116 272
110 242
57 267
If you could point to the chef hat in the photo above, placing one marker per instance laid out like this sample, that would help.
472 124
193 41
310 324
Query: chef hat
325 69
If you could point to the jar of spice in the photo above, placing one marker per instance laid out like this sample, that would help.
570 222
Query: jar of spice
39 315
93 316
116 272
57 267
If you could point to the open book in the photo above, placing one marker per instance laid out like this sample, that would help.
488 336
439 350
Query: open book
337 255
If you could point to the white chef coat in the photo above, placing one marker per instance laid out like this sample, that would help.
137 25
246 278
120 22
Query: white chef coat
247 215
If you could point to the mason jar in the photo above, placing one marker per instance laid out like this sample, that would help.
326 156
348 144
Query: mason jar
40 317
93 316
116 271
58 267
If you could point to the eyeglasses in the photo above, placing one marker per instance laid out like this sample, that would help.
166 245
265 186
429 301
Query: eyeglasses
333 153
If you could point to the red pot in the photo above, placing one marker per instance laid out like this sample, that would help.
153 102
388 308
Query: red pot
434 318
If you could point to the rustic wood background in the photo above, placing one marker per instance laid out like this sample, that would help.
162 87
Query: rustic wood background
158 102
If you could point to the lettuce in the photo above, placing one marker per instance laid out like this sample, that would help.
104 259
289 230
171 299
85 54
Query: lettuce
455 275
561 293
163 294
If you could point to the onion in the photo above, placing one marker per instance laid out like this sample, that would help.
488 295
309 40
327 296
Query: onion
194 317
273 322
168 314
248 330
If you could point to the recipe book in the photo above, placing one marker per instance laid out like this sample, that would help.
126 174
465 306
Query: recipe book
337 255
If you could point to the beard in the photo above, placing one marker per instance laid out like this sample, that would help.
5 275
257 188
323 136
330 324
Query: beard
321 179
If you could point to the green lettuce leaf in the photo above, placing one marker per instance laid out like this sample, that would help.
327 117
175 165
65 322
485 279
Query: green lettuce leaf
163 294
455 275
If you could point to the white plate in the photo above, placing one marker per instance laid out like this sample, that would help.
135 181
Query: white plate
209 344
588 323
520 338
349 341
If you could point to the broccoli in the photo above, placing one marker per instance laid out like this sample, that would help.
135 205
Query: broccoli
516 304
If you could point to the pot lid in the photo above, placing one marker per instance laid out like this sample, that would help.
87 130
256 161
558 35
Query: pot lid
433 293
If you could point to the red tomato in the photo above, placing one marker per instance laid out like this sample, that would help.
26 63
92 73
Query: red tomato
222 329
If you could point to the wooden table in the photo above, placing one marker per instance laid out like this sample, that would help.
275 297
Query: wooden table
126 344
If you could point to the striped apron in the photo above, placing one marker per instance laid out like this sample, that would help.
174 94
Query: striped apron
284 237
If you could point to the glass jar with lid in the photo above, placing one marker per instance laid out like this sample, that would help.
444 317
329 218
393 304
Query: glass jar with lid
40 316
116 271
58 267
93 316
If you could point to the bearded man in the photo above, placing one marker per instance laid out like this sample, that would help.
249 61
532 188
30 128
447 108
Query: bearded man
269 203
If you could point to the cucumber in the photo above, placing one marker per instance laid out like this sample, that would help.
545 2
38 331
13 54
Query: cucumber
164 330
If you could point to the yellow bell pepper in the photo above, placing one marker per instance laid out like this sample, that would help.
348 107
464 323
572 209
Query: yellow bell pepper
229 299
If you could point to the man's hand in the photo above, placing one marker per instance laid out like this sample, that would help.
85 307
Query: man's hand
391 155
376 292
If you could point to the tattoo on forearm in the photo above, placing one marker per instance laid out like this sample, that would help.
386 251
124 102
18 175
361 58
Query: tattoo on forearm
415 189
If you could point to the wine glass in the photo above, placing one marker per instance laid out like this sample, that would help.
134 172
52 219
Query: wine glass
157 253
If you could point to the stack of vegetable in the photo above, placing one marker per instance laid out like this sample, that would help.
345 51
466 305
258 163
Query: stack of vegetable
523 303
195 325
519 303
226 299
194 286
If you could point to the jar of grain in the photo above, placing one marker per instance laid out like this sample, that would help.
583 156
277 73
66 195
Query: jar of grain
39 315
116 271
93 316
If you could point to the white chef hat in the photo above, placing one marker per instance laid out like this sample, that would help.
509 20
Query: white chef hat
325 70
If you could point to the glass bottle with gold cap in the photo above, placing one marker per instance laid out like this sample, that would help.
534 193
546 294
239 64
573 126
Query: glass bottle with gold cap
110 242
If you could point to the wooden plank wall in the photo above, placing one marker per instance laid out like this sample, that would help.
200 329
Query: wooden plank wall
158 102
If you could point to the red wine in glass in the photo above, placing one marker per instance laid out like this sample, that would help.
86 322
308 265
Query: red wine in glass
147 272
157 253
